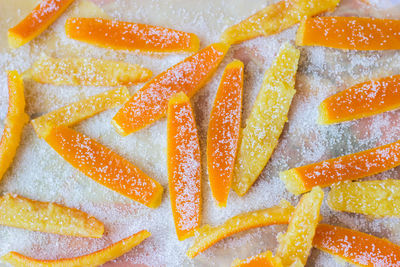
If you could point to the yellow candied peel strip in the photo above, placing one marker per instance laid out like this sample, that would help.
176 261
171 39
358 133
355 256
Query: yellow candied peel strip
80 110
87 71
206 236
296 243
267 119
262 259
20 212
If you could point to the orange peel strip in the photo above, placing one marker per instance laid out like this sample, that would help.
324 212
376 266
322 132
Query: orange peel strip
356 247
87 71
265 259
105 166
44 14
276 18
78 111
130 36
350 167
14 123
207 236
223 132
96 258
350 33
296 243
361 100
184 166
151 102
16 211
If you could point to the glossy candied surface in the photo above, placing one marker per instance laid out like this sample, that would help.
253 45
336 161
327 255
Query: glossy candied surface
265 259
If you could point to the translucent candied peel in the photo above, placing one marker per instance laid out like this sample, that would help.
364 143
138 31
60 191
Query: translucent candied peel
265 259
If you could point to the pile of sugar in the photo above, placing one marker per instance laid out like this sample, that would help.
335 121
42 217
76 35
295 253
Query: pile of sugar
38 172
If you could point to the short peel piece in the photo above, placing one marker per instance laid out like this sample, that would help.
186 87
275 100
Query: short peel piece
20 212
223 131
265 259
207 235
267 119
150 103
96 258
104 166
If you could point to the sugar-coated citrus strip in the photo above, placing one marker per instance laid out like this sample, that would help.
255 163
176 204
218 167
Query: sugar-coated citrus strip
276 18
356 247
150 103
350 33
80 110
105 166
130 36
87 71
375 198
296 243
15 121
47 217
361 100
207 236
184 166
223 132
265 259
267 118
96 258
44 14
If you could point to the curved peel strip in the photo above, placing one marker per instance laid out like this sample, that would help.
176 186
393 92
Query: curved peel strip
207 236
105 166
93 259
356 247
130 36
16 211
266 120
80 110
350 167
44 14
150 103
350 33
87 71
14 123
265 259
184 166
223 132
276 18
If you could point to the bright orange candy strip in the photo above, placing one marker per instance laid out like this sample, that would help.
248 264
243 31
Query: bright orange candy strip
350 33
361 100
151 102
105 166
44 14
130 36
356 247
223 132
96 258
184 166
265 259
350 167
14 123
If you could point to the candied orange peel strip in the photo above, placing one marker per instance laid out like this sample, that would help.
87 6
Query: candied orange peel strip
361 100
150 103
276 18
184 166
350 167
96 258
14 123
265 259
223 132
356 247
350 33
44 14
266 120
374 198
131 36
105 166
16 211
296 243
87 71
78 111
206 236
